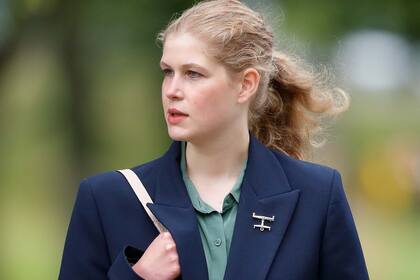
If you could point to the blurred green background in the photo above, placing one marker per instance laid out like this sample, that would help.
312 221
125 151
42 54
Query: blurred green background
80 94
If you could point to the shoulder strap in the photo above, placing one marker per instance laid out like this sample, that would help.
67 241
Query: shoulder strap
142 195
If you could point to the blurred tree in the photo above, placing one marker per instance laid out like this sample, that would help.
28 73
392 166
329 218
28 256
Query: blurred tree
325 20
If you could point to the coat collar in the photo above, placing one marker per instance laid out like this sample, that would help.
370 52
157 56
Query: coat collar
265 190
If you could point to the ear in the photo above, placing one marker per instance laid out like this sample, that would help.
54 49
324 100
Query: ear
249 84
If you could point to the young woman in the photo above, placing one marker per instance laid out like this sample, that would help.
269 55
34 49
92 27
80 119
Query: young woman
233 190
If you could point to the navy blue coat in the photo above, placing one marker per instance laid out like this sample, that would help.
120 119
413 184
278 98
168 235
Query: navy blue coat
313 235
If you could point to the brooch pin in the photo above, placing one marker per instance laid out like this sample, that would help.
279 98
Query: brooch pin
262 226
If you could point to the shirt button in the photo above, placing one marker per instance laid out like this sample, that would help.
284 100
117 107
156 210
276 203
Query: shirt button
217 242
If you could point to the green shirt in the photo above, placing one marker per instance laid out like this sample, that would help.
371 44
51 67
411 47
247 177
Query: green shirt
215 228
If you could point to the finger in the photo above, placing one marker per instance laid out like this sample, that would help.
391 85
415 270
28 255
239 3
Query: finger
169 246
166 234
174 258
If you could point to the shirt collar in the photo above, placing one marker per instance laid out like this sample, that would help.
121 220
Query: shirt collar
197 202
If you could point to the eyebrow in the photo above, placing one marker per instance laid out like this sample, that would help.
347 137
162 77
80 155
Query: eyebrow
162 63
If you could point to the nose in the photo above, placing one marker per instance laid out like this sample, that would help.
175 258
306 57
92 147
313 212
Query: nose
172 88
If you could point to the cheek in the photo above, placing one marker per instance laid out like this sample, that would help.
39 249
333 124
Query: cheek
212 104
163 88
163 97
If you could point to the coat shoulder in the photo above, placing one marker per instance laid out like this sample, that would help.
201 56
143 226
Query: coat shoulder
307 176
112 182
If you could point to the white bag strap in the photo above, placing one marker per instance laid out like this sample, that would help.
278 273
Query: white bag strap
139 189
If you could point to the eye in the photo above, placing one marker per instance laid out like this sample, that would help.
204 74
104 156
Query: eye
193 74
167 72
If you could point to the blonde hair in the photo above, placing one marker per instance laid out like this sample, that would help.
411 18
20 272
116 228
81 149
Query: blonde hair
290 101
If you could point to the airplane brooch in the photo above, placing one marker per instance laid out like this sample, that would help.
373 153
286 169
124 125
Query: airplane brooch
262 226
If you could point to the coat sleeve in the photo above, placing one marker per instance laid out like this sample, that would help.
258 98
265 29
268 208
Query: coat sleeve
85 254
341 252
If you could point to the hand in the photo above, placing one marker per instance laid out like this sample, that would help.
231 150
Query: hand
160 260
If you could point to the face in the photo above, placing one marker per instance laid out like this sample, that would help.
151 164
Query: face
199 87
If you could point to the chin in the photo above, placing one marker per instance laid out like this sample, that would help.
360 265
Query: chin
178 134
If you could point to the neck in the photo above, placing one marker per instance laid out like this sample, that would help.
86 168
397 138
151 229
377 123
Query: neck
220 157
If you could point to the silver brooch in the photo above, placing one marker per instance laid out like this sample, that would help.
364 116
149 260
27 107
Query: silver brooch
262 226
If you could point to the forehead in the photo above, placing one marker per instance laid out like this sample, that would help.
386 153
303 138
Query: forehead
183 48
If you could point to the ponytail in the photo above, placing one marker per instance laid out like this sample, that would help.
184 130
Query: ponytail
295 104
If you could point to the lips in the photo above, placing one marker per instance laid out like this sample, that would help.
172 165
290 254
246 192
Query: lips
176 112
175 116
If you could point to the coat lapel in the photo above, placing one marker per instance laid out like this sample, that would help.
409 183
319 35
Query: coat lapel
173 208
265 191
